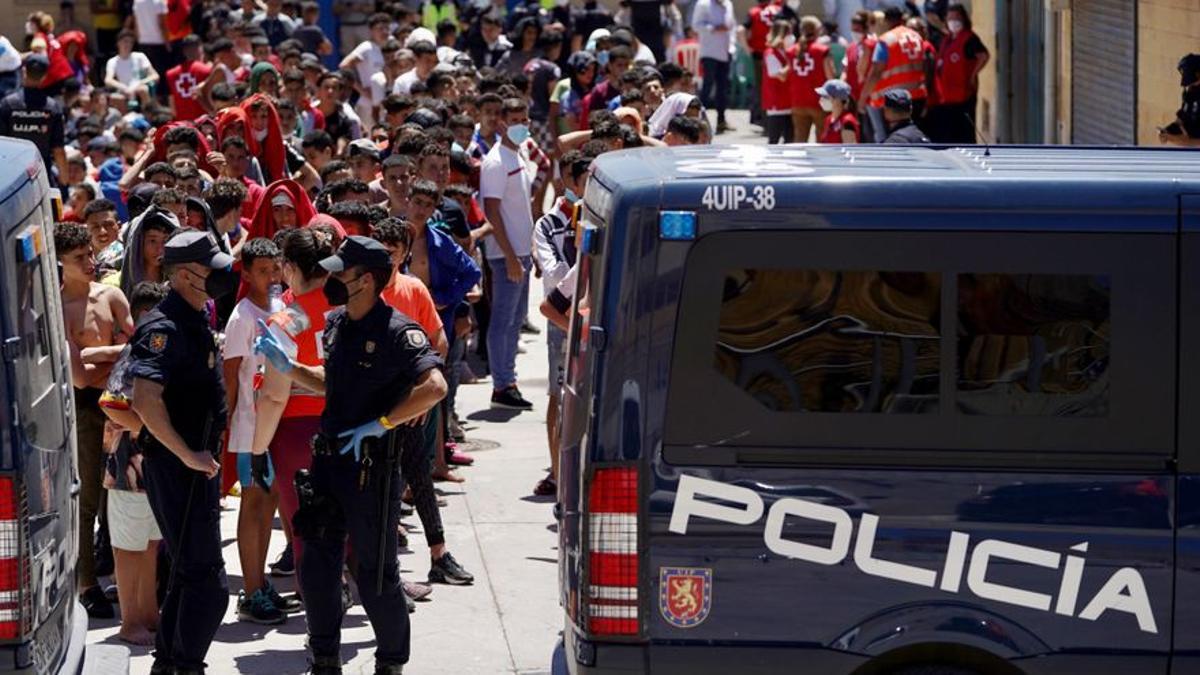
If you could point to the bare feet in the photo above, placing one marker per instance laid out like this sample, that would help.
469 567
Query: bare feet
448 476
136 636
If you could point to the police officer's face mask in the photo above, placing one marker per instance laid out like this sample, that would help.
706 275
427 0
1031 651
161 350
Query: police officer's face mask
218 283
337 292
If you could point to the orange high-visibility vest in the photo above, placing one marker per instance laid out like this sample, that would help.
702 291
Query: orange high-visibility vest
905 67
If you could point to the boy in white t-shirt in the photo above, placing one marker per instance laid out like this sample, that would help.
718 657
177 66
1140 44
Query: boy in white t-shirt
130 72
262 273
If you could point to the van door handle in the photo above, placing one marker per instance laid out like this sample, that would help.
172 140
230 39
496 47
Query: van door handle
75 487
558 511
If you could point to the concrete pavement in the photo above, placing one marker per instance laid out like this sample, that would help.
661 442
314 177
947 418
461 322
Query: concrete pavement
509 620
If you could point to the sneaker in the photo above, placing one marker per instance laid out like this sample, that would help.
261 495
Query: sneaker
286 565
457 458
446 570
417 591
110 592
723 126
510 399
529 329
259 609
388 668
347 599
546 488
288 604
97 604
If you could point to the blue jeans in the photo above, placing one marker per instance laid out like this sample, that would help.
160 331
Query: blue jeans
510 304
716 75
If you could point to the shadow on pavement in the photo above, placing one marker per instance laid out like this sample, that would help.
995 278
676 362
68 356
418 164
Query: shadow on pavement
498 415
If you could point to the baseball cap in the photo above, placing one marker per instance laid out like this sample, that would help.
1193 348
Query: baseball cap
37 64
1189 69
834 89
195 246
310 61
897 99
363 147
358 251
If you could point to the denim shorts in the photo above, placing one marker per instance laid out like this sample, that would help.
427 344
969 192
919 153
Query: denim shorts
556 356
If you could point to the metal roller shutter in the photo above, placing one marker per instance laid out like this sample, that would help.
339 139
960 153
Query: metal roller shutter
1104 62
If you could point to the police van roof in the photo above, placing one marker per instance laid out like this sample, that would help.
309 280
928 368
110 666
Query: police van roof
1062 176
18 158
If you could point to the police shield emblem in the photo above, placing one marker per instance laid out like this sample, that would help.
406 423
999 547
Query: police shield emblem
158 342
684 595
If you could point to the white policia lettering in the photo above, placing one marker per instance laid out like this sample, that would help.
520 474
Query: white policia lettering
1125 590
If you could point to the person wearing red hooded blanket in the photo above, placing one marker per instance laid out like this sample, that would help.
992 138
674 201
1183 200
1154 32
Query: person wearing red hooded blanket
257 122
75 51
285 205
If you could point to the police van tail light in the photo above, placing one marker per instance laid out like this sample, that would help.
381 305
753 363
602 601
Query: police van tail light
612 597
15 609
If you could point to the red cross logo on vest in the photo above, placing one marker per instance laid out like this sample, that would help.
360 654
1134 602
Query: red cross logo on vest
910 44
805 65
185 85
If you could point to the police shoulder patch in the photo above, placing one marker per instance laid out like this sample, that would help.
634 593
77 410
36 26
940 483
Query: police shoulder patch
157 342
685 595
415 337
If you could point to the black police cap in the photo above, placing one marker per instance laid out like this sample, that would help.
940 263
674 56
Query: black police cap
898 99
198 247
1189 69
358 251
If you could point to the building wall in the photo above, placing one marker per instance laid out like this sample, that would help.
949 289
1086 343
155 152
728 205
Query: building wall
1167 29
983 19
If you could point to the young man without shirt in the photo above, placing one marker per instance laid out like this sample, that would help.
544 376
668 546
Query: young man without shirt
98 326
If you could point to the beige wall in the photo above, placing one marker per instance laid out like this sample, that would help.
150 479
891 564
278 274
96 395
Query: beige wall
13 13
983 19
1167 29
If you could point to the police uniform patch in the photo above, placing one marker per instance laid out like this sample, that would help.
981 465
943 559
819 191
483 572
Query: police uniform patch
685 595
158 342
369 347
416 337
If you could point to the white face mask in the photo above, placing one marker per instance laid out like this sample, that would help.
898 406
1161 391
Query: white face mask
794 5
856 36
788 41
955 25
260 135
826 104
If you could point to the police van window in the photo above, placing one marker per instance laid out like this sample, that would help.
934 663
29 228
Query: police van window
841 341
954 348
1033 344
33 316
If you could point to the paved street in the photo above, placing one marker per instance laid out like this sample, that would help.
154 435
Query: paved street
509 620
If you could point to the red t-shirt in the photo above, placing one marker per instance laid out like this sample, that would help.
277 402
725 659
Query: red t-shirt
300 327
834 126
409 296
808 73
184 82
759 20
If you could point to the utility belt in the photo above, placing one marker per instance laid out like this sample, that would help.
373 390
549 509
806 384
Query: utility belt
378 454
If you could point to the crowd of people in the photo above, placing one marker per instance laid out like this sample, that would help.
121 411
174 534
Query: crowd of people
901 77
225 173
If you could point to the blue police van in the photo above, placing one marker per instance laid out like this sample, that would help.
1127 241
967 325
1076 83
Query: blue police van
856 410
43 628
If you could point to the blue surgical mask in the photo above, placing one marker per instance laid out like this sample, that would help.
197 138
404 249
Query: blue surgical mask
570 196
602 58
517 133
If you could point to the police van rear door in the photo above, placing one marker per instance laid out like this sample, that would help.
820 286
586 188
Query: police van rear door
38 485
874 433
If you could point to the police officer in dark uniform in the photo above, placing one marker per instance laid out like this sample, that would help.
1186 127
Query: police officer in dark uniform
1185 130
179 393
379 379
897 115
31 114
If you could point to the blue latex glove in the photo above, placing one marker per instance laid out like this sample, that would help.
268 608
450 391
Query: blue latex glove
372 429
268 345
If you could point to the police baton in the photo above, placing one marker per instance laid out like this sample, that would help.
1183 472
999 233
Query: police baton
183 526
385 506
